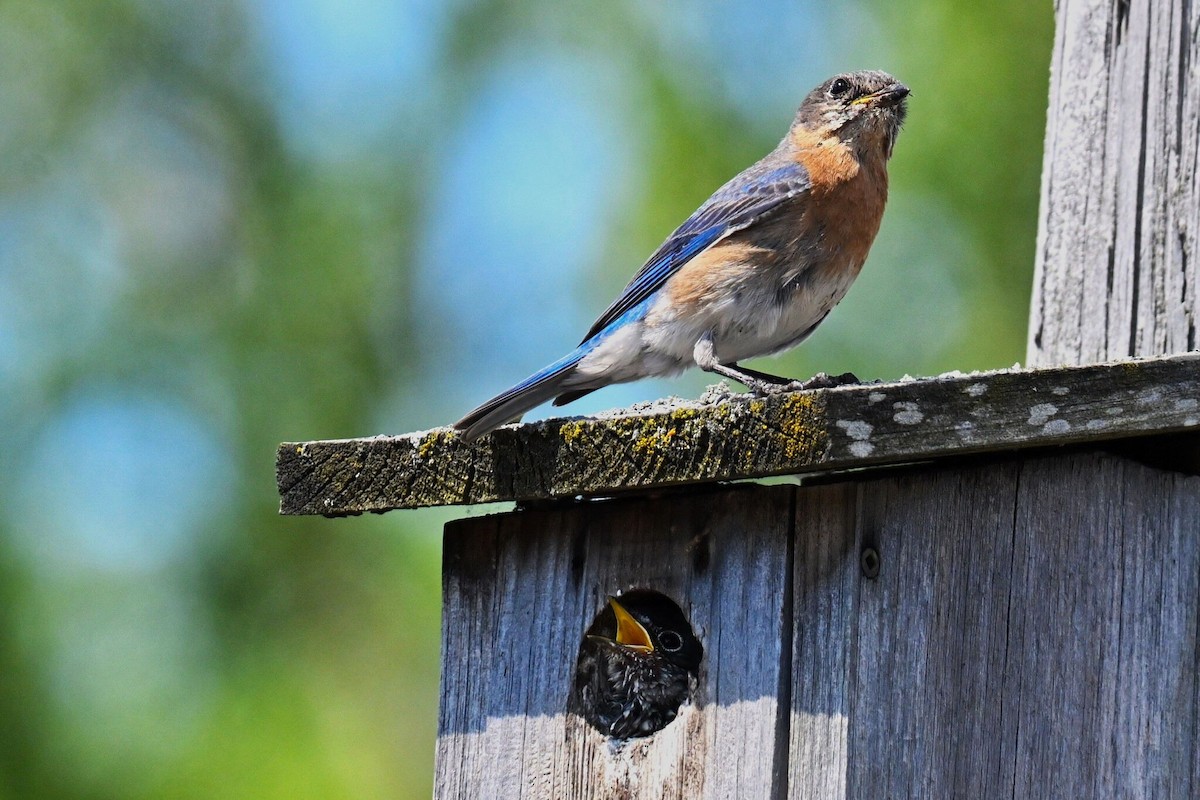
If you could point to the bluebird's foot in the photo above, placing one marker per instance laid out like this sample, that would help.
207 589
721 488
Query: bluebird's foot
824 381
763 382
818 381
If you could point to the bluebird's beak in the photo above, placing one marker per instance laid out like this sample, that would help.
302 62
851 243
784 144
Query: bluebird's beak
630 632
885 97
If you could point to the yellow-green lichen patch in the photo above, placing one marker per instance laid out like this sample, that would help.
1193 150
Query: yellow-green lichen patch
432 441
801 426
648 435
1130 371
654 437
684 414
570 431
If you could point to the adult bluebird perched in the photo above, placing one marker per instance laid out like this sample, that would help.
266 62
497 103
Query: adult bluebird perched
754 270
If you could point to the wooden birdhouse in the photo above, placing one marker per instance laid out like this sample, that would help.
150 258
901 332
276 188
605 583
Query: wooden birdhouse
979 585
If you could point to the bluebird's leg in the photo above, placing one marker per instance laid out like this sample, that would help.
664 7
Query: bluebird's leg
763 382
759 382
764 377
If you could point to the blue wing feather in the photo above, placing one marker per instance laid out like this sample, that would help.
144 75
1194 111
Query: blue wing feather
748 197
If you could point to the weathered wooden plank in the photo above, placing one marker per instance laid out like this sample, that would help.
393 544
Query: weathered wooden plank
824 610
1032 632
1117 251
745 437
1102 653
931 636
521 588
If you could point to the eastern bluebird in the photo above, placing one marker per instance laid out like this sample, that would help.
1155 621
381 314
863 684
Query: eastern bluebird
754 270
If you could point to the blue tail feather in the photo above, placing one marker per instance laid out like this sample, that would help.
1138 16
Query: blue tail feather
512 403
548 382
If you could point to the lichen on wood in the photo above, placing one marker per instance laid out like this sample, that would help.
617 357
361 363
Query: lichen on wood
727 436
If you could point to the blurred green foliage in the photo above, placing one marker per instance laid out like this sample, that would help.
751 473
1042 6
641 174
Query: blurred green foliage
199 260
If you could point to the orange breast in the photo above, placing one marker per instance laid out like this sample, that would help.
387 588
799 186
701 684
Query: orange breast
847 197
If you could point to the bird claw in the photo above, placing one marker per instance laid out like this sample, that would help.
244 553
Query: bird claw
819 381
824 381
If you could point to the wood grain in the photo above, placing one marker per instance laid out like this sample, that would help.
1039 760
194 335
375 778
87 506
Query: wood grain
1103 656
745 437
824 609
1032 633
519 591
931 636
1117 253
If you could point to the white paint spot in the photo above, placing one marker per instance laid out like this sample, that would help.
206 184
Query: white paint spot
907 413
1056 426
856 428
860 432
1191 421
1038 414
1115 411
1097 424
965 431
876 397
861 449
976 389
1186 404
1060 390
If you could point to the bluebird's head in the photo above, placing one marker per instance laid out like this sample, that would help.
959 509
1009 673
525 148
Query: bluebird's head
863 109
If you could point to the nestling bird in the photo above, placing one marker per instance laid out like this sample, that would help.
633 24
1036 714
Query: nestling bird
635 669
754 270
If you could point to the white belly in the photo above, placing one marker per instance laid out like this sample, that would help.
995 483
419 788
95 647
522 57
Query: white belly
746 323
756 320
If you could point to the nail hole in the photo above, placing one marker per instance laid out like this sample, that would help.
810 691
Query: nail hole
869 561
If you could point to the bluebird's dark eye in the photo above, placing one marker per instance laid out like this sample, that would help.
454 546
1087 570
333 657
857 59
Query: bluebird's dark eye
839 87
670 641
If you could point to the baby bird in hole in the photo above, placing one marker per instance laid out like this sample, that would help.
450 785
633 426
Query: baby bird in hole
636 665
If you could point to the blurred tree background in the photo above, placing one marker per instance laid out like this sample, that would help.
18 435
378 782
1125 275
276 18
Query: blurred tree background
232 223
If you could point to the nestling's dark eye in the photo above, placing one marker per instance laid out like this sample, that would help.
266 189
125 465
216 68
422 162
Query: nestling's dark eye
839 87
670 641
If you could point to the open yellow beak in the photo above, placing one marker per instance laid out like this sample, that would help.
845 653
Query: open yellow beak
630 632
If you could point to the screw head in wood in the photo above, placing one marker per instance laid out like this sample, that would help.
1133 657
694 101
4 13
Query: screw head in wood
868 560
